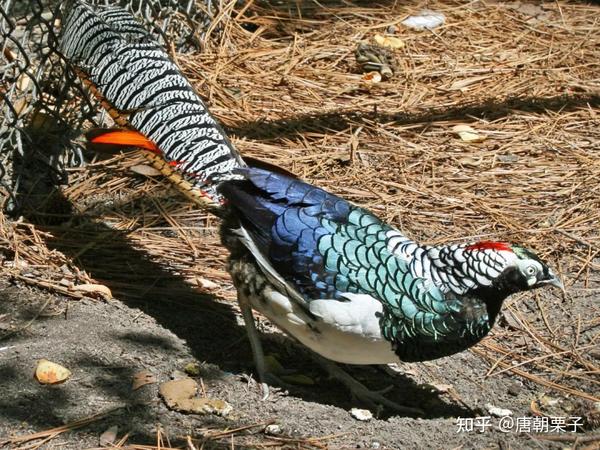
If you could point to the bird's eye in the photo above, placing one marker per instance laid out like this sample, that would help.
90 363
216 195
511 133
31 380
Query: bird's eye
531 270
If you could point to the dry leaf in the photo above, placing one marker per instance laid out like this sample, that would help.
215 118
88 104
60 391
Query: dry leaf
206 284
9 55
469 161
94 289
461 85
178 389
109 436
23 82
508 158
425 20
144 169
389 41
371 77
468 134
20 105
179 395
142 378
48 372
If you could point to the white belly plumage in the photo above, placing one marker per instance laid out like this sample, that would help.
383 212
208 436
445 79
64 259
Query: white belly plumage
343 331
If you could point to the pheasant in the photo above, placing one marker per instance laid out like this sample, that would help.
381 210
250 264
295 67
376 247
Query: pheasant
328 273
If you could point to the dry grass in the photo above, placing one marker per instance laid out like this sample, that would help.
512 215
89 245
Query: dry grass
211 439
290 93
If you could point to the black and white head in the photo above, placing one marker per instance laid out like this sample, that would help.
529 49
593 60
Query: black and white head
494 265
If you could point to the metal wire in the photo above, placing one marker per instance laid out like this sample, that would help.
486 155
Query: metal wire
43 106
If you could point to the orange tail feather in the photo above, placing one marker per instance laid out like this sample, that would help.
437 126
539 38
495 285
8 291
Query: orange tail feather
125 138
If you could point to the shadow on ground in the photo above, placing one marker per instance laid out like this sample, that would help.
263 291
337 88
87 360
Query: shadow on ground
339 121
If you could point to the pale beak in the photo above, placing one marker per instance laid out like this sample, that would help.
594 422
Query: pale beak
557 283
553 281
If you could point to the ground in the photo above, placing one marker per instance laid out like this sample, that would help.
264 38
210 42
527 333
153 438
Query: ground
283 80
106 343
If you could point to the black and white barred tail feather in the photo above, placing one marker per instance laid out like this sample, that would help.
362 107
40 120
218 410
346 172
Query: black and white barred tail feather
142 88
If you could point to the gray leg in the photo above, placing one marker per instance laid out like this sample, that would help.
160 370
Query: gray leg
255 344
360 391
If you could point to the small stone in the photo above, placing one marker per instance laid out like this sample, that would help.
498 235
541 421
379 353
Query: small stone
109 436
508 158
514 389
391 29
375 444
364 415
498 412
273 429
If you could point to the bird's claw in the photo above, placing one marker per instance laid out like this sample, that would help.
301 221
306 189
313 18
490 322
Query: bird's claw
268 380
264 388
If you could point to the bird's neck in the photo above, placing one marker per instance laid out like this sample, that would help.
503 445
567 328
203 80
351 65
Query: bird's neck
461 269
492 298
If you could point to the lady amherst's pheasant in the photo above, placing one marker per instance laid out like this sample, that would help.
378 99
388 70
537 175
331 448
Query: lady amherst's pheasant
328 273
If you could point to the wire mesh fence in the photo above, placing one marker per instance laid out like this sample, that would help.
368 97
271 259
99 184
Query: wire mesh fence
43 106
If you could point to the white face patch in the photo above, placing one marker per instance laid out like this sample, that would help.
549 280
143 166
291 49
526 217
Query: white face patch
529 268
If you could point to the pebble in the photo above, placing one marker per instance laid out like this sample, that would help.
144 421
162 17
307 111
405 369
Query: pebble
498 412
273 429
364 415
514 389
109 436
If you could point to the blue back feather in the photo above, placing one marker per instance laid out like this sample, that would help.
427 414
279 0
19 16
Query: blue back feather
284 215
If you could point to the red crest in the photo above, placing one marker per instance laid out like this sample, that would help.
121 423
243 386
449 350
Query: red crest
490 245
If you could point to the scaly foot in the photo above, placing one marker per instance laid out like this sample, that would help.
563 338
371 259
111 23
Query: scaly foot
361 392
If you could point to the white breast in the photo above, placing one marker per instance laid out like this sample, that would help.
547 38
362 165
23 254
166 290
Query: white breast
343 331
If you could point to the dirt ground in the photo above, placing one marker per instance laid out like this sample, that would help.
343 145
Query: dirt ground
524 75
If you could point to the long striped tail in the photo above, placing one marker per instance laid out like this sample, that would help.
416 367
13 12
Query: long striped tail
142 89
